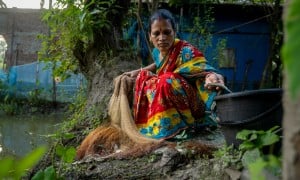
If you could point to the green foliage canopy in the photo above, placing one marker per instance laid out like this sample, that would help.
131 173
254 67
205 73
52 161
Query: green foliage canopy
77 29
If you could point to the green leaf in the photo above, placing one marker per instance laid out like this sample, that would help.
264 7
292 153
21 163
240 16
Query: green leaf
250 157
40 175
274 161
60 150
47 174
268 138
50 173
95 11
274 165
68 135
66 153
253 137
246 145
29 161
275 129
70 155
90 3
81 17
243 135
256 169
6 165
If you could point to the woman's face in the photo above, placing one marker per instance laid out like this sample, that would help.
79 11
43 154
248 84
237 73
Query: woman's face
162 35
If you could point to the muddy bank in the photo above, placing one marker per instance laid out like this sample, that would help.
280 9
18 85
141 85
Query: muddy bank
163 163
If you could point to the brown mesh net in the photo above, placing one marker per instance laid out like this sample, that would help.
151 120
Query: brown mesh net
122 132
120 112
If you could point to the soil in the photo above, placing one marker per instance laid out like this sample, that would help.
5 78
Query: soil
163 163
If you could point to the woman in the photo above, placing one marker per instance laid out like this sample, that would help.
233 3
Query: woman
173 93
165 103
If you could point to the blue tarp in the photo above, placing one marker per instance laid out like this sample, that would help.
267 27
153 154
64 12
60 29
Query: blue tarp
3 76
24 79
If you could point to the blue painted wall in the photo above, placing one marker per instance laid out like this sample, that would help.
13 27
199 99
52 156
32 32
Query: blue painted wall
251 44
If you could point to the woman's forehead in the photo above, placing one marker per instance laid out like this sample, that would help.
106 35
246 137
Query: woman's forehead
159 23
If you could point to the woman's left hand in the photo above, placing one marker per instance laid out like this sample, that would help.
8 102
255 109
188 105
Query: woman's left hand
212 79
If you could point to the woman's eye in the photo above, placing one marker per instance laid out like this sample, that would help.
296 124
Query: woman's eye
156 33
167 32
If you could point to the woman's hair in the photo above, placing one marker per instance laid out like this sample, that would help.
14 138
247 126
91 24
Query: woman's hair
164 14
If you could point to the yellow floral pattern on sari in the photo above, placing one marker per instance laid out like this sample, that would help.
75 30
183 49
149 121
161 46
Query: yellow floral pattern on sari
173 99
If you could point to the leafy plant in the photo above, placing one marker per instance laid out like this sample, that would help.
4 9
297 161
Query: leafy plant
250 153
201 35
9 106
253 139
253 156
74 26
219 59
12 168
33 96
48 173
229 155
268 164
67 154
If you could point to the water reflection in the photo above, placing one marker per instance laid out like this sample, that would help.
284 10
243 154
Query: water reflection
19 135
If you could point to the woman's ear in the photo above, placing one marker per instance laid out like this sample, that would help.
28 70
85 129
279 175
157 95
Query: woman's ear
149 37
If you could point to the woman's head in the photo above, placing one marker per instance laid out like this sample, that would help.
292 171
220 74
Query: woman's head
162 30
162 14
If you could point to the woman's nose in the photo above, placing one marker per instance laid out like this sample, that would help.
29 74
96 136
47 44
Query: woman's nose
162 37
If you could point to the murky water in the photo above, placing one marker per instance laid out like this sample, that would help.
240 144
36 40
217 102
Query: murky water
19 135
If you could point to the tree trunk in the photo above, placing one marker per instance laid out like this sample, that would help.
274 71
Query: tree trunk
103 60
291 126
100 79
291 135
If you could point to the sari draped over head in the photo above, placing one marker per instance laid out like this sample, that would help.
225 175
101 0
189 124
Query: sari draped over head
174 98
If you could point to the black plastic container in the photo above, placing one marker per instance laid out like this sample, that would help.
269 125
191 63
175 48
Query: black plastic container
252 110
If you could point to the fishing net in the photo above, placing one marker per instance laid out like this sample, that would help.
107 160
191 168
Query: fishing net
120 111
121 134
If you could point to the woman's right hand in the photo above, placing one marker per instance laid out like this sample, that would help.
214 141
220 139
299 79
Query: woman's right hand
213 78
132 74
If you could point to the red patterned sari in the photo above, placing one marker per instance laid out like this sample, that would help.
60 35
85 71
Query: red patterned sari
173 99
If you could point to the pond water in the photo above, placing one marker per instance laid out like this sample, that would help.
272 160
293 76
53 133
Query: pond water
19 135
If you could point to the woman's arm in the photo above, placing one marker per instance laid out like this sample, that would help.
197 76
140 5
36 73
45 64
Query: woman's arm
134 73
150 67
